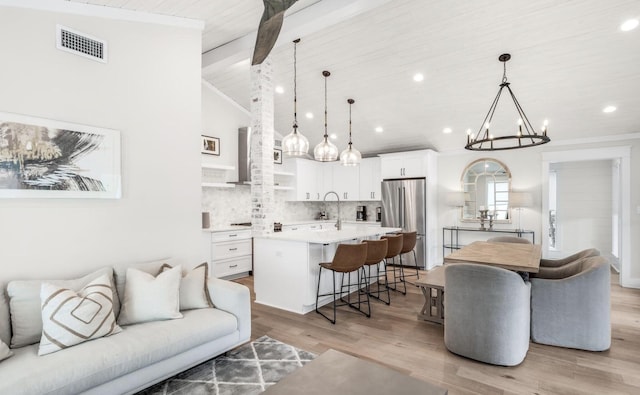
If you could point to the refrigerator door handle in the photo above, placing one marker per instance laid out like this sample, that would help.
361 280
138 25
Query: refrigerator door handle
402 212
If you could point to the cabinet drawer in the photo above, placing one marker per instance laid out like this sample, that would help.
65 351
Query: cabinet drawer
231 235
229 267
231 249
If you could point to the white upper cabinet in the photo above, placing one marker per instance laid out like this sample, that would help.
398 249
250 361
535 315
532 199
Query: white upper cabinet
370 179
409 164
346 181
305 185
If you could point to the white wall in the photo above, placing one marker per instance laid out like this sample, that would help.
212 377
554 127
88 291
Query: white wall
150 92
584 206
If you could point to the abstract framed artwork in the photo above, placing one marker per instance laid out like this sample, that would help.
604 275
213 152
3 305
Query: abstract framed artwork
42 158
210 145
277 156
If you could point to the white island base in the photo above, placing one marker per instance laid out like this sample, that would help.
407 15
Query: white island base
285 265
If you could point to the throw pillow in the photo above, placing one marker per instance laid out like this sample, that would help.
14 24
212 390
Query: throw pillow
70 318
194 293
25 305
5 352
149 298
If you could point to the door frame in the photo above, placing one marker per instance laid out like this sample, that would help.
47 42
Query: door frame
623 153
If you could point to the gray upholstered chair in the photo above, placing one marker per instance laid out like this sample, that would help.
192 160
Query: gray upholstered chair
574 311
508 239
487 313
571 258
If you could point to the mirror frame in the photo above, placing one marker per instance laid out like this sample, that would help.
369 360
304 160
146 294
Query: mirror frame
463 183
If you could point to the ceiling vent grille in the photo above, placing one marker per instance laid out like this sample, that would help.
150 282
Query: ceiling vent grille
82 44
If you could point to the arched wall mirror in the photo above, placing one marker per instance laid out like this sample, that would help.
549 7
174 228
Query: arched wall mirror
486 184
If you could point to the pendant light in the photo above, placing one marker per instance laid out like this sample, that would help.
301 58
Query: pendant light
350 156
325 151
295 144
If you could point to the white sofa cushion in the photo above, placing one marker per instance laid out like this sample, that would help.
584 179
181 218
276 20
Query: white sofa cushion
194 293
26 315
93 363
149 298
70 318
5 352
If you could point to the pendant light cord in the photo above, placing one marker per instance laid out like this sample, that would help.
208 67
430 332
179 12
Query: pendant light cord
325 74
295 85
350 103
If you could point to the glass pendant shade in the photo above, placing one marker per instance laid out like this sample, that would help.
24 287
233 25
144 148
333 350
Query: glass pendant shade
350 157
325 151
295 144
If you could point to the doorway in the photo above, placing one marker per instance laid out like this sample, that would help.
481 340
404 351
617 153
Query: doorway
586 203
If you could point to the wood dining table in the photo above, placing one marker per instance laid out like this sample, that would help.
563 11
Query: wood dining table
512 256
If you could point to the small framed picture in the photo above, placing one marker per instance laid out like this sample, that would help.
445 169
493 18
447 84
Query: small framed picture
210 145
277 156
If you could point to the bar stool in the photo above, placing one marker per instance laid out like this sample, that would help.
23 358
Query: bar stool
409 245
394 247
376 252
348 258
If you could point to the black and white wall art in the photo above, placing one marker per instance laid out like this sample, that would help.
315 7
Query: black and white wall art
41 158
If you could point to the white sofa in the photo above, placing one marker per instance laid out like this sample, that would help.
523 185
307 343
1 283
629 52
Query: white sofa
139 356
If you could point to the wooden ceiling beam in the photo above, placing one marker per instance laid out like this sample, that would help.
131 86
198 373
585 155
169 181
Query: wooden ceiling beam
309 20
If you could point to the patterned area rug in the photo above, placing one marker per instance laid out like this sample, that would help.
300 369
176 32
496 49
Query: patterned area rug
249 369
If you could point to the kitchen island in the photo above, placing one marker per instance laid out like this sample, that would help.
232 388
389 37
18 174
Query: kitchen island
285 264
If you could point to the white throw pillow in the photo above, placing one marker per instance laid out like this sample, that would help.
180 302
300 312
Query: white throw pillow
25 305
149 298
70 318
194 293
5 352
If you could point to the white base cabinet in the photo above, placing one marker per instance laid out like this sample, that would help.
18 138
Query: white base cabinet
231 253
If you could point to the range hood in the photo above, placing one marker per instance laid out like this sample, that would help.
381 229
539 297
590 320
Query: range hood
244 156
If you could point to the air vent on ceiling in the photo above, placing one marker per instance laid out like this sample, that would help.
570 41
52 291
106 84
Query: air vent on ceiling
82 44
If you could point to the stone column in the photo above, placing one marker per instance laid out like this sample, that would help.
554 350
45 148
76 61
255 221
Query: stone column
262 135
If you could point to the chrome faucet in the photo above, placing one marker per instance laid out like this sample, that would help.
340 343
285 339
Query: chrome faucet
339 221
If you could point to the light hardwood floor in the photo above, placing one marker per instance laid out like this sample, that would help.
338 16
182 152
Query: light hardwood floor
394 337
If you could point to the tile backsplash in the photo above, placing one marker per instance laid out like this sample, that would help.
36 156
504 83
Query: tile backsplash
233 205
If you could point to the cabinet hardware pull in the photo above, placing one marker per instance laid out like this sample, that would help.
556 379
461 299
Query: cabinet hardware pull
233 235
233 249
231 266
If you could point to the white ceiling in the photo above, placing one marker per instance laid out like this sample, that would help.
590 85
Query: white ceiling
569 60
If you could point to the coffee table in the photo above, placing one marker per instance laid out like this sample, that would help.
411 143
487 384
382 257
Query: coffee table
337 373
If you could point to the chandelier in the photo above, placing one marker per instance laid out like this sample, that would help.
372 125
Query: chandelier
526 136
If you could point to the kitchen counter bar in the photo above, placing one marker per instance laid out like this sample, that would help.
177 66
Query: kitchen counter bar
286 265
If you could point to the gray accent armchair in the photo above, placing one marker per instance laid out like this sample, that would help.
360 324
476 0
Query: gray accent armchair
487 313
571 258
574 311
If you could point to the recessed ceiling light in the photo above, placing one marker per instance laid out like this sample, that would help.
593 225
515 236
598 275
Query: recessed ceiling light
609 109
418 77
333 136
309 115
629 25
279 89
379 129
447 130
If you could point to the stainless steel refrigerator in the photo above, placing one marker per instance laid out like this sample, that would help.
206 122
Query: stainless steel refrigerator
404 206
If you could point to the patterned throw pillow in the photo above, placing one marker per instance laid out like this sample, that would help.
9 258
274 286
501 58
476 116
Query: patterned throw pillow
4 351
70 318
149 298
194 293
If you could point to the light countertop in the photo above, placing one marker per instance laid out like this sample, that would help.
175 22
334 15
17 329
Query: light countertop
228 228
329 236
231 228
